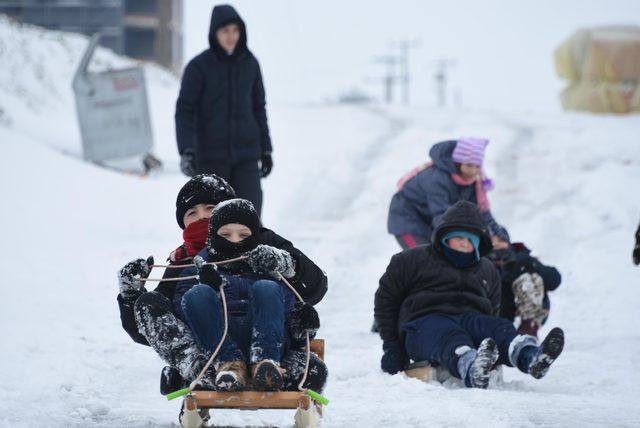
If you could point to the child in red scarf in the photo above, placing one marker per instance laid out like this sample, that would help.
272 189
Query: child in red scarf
147 318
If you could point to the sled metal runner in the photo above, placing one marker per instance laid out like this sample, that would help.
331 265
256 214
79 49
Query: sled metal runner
254 400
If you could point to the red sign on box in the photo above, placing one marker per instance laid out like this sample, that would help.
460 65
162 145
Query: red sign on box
124 83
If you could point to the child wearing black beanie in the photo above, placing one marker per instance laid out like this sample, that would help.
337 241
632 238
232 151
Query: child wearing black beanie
259 306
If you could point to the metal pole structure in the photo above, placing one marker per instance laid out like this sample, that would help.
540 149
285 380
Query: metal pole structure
441 77
389 79
405 46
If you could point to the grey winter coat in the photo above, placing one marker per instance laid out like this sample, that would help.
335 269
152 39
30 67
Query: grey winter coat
421 281
417 208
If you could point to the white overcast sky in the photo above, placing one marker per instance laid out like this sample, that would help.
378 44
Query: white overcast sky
311 51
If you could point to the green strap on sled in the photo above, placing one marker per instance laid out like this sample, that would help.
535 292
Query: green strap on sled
178 393
311 393
319 398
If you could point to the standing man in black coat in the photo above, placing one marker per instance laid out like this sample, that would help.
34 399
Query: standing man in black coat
440 303
221 121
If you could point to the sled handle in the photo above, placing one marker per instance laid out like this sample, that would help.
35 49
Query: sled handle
178 393
317 397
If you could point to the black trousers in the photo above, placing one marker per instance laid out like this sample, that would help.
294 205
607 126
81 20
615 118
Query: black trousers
244 177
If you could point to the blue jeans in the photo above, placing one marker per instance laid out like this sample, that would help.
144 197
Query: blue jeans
435 337
258 334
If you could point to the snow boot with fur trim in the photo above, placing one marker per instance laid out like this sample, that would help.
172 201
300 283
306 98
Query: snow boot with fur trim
231 376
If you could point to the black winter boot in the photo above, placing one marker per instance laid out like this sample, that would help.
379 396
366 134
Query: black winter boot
478 374
170 380
548 351
293 363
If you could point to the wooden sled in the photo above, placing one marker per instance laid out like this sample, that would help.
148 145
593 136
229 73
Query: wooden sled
426 372
307 414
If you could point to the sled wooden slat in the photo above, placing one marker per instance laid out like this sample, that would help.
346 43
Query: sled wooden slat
248 399
255 399
317 347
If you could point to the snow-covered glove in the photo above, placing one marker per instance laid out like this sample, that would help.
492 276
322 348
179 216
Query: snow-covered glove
528 291
188 163
266 164
304 319
267 260
207 273
395 358
131 274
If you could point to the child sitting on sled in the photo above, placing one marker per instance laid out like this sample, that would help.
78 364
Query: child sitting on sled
440 303
258 303
526 282
148 318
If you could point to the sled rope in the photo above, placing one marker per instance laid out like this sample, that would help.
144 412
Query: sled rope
311 393
224 336
314 395
223 262
306 365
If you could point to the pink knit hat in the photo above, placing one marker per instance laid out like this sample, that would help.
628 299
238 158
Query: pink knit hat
470 150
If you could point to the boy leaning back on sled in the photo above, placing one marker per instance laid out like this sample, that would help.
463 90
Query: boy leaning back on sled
440 303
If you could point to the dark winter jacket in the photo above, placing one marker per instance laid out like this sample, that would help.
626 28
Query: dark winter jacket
513 262
421 281
220 112
417 207
310 281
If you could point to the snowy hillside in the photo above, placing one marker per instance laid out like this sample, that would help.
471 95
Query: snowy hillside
36 98
566 185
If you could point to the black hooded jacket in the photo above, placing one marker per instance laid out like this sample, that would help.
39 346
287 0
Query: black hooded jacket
513 262
310 281
421 281
220 112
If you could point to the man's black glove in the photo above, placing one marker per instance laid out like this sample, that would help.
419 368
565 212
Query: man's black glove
395 358
304 319
129 277
207 273
267 260
188 163
266 164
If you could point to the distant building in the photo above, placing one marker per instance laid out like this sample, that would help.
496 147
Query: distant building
144 29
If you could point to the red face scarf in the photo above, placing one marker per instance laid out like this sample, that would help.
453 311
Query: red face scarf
195 239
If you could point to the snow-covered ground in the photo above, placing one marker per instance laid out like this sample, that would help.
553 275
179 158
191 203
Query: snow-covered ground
566 185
